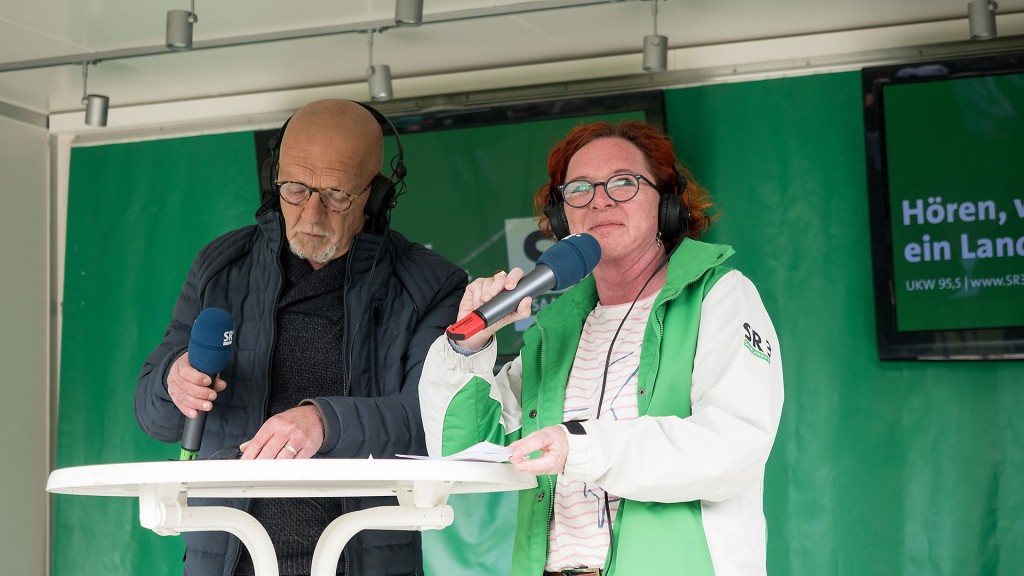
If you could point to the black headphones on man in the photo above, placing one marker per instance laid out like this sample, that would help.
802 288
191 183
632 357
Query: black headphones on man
384 191
673 211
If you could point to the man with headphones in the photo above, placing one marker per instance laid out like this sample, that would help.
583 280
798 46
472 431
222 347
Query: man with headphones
333 314
646 398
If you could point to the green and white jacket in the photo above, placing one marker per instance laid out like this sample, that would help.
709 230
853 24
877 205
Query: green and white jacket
689 470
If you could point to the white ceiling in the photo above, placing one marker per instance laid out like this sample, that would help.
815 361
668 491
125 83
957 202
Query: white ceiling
459 39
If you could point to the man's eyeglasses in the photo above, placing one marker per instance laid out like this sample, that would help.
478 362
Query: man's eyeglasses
297 194
620 188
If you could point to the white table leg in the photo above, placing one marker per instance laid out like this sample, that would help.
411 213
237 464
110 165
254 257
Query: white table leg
338 533
163 508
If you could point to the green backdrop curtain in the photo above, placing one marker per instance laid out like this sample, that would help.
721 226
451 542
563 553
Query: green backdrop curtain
907 468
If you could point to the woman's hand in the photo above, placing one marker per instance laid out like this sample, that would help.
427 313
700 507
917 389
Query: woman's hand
483 289
554 448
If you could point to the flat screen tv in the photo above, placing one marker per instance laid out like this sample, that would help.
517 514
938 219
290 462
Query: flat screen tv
945 170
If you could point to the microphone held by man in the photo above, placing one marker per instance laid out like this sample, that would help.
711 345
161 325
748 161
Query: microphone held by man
208 349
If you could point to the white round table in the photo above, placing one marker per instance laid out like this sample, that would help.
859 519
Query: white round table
421 486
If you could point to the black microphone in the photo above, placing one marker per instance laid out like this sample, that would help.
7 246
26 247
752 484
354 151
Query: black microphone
562 265
208 349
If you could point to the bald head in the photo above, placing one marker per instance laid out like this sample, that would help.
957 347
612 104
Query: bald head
339 132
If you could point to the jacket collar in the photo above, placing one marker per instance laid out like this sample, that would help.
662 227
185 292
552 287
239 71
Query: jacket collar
691 260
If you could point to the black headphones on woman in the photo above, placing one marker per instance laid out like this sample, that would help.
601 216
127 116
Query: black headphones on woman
673 211
384 191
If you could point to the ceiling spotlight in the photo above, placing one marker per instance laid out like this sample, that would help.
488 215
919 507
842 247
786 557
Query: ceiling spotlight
378 77
981 16
408 12
655 47
179 28
96 105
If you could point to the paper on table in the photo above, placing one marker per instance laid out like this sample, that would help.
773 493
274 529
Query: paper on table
481 452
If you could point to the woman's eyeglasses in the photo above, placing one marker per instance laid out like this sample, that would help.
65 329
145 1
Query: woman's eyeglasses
620 188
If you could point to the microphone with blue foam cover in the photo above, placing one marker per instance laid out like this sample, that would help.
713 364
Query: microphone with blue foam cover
565 263
208 349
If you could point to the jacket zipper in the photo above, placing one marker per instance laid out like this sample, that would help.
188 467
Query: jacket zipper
550 478
660 315
266 394
348 361
551 514
374 328
347 353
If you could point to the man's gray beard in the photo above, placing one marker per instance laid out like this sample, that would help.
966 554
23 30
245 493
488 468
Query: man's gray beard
322 257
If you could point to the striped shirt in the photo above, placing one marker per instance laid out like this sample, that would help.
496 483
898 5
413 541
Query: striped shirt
578 537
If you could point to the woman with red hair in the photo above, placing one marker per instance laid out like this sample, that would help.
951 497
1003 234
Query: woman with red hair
648 395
